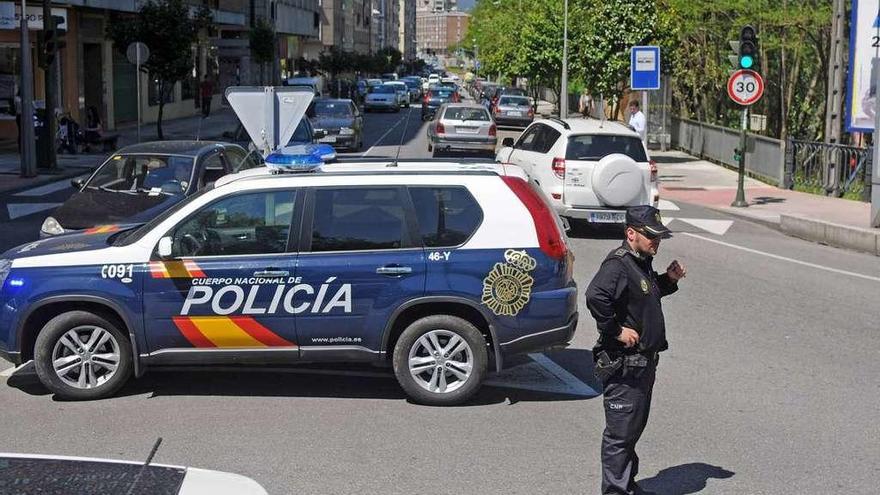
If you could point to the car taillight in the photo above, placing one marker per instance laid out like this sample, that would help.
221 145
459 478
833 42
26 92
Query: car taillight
559 167
440 129
653 165
550 239
493 130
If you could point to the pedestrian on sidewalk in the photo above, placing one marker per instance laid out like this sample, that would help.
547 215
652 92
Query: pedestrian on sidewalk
637 120
624 298
206 93
585 104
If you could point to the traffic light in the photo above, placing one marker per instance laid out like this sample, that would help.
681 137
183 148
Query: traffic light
748 48
52 39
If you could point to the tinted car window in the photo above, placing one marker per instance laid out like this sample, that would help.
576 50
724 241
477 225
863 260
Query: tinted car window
239 160
527 140
383 90
459 113
447 216
358 219
514 101
255 223
331 108
593 147
302 134
546 139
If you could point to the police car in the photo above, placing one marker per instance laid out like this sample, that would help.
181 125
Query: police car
442 270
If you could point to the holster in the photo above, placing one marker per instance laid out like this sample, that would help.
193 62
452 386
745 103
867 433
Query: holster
605 366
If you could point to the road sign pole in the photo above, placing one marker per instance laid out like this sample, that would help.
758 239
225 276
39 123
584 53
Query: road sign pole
740 201
137 76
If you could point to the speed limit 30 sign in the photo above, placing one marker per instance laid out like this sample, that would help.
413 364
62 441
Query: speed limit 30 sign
745 87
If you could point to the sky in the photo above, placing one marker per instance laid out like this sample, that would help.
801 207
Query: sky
466 5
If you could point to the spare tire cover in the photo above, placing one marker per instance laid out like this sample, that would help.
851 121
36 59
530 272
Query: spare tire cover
617 180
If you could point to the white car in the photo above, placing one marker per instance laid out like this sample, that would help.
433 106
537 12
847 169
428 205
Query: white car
402 92
591 170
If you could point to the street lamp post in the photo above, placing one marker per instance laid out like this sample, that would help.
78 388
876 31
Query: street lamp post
26 121
563 96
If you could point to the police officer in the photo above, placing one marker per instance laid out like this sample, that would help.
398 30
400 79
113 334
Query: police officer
624 298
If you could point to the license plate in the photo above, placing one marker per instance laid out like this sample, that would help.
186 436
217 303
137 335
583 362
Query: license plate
467 130
328 139
607 217
514 114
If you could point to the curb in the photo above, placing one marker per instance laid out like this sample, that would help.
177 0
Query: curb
832 234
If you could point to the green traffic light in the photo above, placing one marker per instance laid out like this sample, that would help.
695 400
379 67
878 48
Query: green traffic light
746 61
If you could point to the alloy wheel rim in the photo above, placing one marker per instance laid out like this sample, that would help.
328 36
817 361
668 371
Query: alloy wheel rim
86 357
441 361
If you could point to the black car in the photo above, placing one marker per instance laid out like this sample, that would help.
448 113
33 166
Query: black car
140 181
340 121
436 96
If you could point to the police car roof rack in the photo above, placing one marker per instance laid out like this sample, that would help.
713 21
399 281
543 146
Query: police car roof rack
561 122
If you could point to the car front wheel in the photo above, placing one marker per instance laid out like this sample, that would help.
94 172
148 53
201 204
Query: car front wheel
440 360
80 355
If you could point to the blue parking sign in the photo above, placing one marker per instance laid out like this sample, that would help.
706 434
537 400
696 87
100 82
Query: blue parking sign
644 72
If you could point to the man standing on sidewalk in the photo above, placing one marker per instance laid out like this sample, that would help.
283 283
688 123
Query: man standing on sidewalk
624 298
637 120
206 93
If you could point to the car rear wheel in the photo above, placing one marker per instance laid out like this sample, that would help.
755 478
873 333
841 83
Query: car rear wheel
82 356
440 360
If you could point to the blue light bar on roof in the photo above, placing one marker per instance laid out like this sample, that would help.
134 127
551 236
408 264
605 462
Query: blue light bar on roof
304 158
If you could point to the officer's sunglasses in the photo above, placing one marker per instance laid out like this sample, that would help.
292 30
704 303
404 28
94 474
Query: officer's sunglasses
644 232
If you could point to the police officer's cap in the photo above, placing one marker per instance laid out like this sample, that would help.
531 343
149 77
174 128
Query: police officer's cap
646 219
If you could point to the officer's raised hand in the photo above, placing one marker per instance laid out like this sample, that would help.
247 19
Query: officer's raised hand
676 271
628 337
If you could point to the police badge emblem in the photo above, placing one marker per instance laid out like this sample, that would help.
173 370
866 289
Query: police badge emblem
644 285
508 287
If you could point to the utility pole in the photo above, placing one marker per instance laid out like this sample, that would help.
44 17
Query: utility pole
563 96
50 69
833 103
28 151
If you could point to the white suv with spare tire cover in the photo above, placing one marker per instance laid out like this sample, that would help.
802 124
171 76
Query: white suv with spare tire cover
592 170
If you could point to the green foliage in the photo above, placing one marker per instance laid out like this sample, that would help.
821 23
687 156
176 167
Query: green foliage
167 29
262 41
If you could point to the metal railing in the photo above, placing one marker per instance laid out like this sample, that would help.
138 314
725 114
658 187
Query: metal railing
830 169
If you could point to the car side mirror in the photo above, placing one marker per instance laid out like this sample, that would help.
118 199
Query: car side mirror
507 142
164 248
77 183
565 224
320 134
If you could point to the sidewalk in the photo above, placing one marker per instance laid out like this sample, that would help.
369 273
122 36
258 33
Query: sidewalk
833 221
194 127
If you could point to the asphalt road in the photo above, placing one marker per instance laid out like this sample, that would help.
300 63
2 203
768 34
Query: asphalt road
769 387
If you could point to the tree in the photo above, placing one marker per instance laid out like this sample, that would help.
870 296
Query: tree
169 31
262 41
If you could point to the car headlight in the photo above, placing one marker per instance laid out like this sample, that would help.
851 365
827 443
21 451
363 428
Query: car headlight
51 226
5 266
346 131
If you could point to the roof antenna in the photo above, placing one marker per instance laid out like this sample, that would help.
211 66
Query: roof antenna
146 463
402 137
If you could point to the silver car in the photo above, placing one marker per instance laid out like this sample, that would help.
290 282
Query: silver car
382 97
462 127
514 111
402 91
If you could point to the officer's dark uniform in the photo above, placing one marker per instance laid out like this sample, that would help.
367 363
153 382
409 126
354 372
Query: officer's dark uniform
626 292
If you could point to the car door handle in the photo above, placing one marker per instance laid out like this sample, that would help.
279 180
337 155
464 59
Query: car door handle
241 237
271 273
393 270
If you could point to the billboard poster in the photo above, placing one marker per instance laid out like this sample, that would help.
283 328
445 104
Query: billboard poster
864 45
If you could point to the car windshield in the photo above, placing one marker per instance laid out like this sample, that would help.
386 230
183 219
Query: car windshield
458 113
332 109
441 93
398 87
596 147
302 134
384 90
144 173
514 101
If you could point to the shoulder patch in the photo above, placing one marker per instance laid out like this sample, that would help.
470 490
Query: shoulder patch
620 252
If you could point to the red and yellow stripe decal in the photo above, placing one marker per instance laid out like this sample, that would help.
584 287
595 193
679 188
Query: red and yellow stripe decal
102 229
176 269
228 332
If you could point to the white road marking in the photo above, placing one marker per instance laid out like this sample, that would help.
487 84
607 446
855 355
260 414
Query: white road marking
666 205
409 112
49 188
717 227
24 368
783 258
23 209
